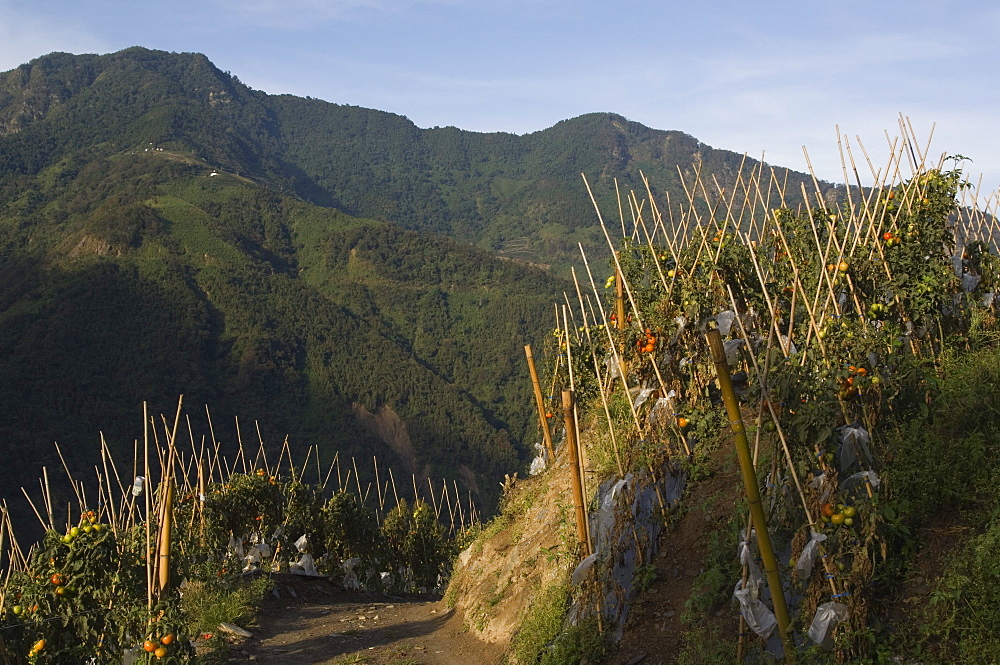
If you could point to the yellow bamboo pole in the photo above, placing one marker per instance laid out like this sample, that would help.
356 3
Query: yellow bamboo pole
752 488
619 294
164 559
540 403
569 410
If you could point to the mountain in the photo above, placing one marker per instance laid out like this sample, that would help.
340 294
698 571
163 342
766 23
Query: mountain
520 195
165 229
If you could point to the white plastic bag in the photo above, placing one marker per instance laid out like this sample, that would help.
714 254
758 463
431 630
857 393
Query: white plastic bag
304 566
351 581
732 347
754 576
853 444
302 544
860 477
760 619
828 615
804 566
614 372
663 411
235 547
641 398
725 321
580 573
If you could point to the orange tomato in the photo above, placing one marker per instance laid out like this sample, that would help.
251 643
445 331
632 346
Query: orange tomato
149 646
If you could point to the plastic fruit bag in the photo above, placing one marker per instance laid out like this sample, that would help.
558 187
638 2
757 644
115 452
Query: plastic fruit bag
828 615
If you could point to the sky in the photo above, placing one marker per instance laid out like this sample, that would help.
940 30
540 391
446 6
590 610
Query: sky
763 78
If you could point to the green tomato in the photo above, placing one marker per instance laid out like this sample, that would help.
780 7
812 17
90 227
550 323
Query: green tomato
17 609
75 531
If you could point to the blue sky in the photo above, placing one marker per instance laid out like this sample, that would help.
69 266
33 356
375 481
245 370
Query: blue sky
757 77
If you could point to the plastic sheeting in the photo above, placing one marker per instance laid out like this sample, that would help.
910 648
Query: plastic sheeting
664 411
970 282
641 398
828 615
625 528
538 463
235 548
754 577
351 581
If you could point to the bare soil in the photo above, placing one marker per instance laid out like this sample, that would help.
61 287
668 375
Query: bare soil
312 621
653 630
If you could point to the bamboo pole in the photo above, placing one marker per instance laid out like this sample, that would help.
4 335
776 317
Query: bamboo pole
163 563
569 415
149 549
753 490
619 291
540 403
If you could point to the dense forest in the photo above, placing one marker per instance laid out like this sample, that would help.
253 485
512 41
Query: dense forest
166 230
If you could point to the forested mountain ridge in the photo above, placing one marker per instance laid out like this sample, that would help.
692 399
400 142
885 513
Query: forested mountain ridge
485 188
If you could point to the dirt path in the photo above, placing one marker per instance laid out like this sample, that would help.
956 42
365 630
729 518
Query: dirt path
313 621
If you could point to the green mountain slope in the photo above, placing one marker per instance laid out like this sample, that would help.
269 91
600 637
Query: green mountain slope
142 276
519 194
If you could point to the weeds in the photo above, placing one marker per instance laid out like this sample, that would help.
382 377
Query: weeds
207 604
542 623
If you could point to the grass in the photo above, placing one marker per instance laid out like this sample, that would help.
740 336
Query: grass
351 659
207 605
542 623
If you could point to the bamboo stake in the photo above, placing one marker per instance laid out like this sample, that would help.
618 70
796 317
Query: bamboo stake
239 439
34 509
146 492
69 475
336 457
394 493
381 503
752 489
164 548
539 403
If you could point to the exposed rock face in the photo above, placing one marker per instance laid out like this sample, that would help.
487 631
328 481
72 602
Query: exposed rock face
500 575
388 426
